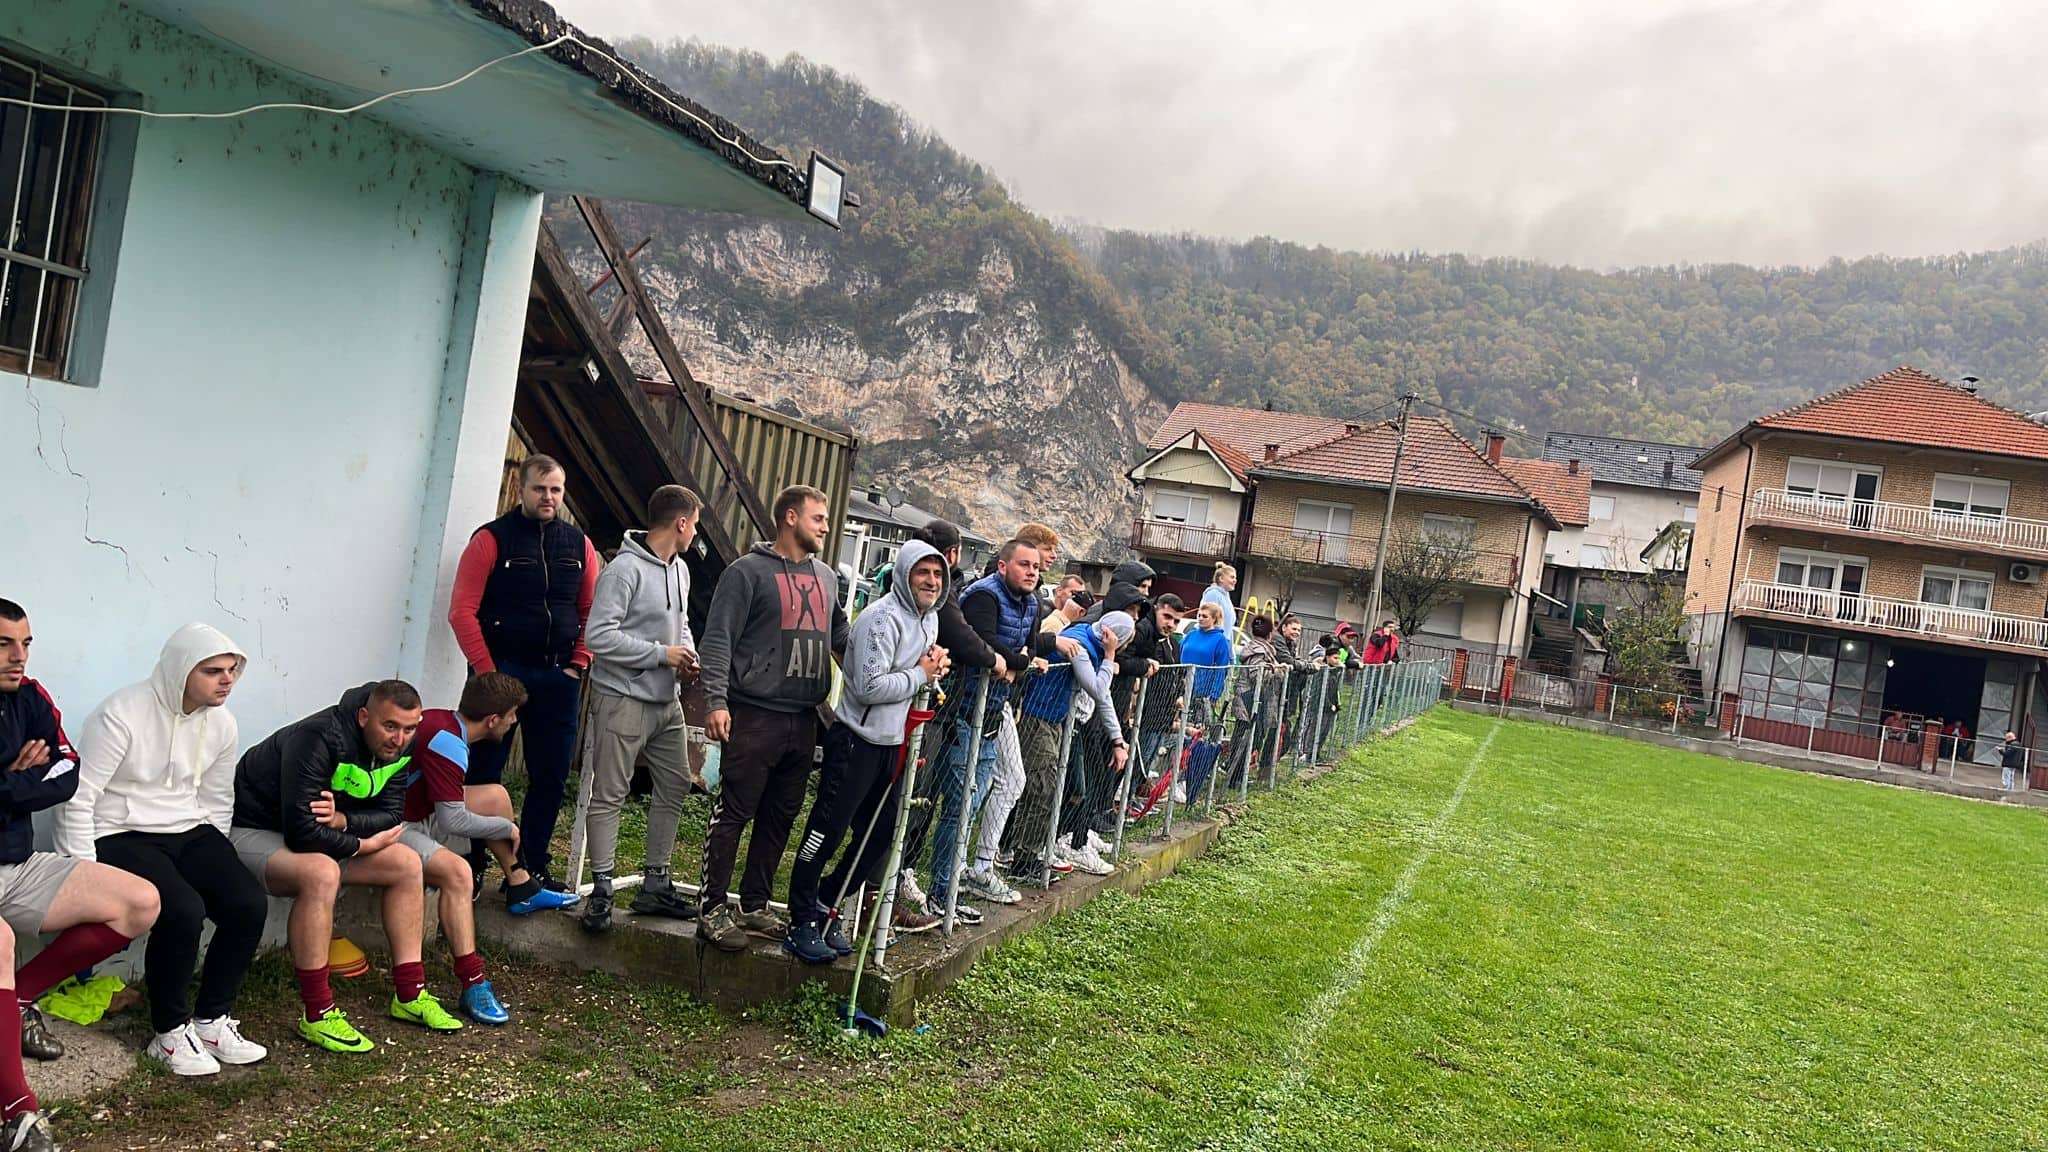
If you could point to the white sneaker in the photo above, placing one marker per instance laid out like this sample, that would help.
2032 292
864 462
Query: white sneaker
1091 862
1096 842
180 1051
989 886
907 890
223 1037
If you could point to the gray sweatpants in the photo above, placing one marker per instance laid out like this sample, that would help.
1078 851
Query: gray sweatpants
1003 794
621 728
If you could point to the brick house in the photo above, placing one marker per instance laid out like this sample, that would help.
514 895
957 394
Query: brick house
1296 503
1876 550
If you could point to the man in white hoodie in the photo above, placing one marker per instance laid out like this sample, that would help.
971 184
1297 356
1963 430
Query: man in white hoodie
892 653
156 785
641 648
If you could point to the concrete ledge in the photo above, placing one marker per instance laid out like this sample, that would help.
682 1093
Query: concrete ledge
657 950
1776 756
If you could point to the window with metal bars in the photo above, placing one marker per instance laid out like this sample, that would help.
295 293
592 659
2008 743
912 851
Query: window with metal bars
48 159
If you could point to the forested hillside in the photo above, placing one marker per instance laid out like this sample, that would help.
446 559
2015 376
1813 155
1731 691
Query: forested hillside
997 366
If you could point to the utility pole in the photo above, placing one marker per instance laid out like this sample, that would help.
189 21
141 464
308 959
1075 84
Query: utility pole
1379 560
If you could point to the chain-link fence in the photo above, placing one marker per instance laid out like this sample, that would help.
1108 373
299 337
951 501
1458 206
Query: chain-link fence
1026 781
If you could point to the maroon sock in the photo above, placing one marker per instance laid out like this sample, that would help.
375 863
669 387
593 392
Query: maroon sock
314 991
470 969
16 1096
410 978
73 951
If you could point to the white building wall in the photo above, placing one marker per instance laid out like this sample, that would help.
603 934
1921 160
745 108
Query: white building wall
307 378
1639 514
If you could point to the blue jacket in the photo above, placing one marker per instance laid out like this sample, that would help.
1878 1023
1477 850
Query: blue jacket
1009 630
1211 649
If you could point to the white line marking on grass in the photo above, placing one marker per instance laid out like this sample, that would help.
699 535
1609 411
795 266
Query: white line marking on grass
1310 1030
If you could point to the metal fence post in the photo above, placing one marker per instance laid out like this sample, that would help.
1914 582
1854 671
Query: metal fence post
1209 792
1278 734
1613 690
1059 789
885 906
1675 701
1137 747
964 830
1248 736
1180 743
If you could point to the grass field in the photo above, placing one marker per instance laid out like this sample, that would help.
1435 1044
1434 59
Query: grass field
1476 934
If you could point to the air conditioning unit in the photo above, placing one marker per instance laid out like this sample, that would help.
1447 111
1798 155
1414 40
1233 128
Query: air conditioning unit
2023 573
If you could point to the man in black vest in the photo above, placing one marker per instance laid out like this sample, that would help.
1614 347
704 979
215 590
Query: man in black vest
522 593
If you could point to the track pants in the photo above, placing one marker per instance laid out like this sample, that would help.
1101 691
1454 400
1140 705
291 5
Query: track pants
765 766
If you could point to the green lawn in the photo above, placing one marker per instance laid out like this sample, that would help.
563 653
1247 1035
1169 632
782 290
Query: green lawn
1476 934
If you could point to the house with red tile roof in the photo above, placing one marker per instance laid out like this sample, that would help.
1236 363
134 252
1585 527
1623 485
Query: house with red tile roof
1874 551
1295 503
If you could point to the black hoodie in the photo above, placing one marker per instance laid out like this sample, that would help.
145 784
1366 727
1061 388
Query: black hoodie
277 781
1123 595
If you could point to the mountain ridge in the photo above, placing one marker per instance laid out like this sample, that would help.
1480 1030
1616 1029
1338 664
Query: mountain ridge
1001 367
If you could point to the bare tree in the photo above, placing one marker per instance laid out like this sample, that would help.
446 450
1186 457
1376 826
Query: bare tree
1424 571
1292 557
1645 632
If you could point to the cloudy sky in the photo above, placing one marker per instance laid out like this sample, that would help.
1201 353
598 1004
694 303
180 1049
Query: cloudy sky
1594 132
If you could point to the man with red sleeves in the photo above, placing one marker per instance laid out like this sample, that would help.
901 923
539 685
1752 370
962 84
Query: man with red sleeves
522 592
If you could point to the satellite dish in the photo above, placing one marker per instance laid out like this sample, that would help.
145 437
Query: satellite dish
893 497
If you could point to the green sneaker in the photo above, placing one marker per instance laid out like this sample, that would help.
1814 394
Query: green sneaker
426 1010
333 1032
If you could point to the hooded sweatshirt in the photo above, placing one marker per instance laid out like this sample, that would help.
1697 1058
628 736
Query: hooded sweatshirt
881 671
640 607
1123 595
147 765
770 633
277 781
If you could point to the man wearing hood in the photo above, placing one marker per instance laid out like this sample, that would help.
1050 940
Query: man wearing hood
95 910
1092 662
156 788
639 635
769 638
1130 592
321 803
892 653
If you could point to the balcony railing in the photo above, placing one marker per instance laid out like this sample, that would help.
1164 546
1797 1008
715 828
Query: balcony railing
1913 523
1308 546
1897 617
1185 539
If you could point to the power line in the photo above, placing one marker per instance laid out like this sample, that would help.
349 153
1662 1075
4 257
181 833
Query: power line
1497 426
625 69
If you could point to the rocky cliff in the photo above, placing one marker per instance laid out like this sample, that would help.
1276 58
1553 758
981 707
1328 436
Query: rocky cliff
968 396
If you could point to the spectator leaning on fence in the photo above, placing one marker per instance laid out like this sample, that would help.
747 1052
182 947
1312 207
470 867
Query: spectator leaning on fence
1384 645
996 615
769 639
156 786
639 638
912 910
1091 671
892 654
522 591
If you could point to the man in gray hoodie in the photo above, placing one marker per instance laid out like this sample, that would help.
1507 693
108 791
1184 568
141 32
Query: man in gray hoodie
640 644
769 638
892 654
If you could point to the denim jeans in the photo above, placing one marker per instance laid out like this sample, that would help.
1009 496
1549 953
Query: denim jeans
952 817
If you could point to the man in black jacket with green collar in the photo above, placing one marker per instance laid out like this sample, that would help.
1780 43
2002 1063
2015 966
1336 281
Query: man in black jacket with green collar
320 804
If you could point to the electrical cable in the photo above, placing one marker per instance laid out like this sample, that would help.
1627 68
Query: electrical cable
565 38
1498 426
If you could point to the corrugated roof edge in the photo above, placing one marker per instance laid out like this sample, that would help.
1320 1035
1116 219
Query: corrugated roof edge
538 23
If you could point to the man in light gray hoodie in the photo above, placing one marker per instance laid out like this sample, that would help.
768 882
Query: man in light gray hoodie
641 648
892 653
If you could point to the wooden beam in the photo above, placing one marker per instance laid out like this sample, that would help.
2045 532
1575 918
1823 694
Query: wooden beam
565 294
672 359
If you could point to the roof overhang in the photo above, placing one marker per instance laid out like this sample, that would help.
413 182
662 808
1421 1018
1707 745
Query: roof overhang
563 120
1190 441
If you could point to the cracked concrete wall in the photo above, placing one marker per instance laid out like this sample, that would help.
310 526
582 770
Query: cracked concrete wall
262 436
